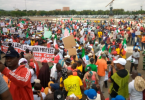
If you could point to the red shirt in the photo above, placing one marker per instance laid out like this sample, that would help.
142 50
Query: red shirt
20 87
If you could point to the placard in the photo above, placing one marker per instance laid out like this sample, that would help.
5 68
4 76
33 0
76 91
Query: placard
5 30
72 51
69 42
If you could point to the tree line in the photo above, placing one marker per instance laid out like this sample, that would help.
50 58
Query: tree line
70 12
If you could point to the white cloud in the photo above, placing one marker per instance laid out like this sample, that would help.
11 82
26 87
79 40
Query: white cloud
73 4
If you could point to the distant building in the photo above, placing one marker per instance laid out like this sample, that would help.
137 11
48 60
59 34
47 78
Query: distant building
58 9
65 9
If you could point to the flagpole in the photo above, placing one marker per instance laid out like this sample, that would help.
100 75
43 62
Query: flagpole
26 7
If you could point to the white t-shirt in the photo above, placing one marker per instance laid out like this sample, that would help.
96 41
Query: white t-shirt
134 94
136 55
33 75
38 98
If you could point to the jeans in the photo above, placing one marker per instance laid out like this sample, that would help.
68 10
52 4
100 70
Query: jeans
100 39
133 65
143 46
133 41
101 82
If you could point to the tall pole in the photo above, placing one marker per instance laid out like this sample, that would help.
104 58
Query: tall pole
26 7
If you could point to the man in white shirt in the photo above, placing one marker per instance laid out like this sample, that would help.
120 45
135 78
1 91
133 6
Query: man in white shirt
134 94
135 56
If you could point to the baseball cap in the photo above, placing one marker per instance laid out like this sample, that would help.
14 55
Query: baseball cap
91 94
58 95
118 97
12 53
121 61
55 86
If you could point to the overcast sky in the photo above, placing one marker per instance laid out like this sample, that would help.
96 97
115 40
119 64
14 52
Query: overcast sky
73 4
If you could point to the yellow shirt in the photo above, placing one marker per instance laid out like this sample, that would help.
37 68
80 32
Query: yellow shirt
61 84
118 51
32 43
80 68
72 85
123 56
99 34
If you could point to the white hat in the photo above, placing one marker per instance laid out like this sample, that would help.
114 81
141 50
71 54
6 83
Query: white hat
121 61
61 46
67 56
90 47
53 35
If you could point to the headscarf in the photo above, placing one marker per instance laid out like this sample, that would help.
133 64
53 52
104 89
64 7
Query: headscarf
23 60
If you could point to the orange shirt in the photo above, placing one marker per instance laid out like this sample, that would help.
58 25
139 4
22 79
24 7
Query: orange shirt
102 66
143 39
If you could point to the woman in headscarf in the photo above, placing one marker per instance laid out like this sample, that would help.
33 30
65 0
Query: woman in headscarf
44 74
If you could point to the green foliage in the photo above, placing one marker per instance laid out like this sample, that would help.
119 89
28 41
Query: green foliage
71 12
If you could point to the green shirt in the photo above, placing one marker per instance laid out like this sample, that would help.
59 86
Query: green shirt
93 67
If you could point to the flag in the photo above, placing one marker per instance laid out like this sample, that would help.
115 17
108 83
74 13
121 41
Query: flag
23 22
71 19
110 49
83 54
143 25
124 47
55 43
104 48
27 35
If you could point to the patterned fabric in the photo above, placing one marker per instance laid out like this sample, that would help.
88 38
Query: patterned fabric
64 73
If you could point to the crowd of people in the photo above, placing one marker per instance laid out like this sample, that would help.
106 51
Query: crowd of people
101 49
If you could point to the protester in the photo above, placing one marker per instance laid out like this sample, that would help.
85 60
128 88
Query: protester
102 67
136 86
44 74
73 85
4 91
120 75
135 56
28 56
18 75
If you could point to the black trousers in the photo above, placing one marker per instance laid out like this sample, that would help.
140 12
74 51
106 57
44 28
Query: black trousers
133 65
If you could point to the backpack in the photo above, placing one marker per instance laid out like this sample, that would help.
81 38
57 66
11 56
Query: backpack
79 73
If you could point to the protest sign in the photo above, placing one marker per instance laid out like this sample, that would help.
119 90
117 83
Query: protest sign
66 33
137 33
69 42
12 30
2 24
72 51
47 33
5 30
39 28
40 53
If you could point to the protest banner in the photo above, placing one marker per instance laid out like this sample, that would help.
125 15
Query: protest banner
40 53
69 42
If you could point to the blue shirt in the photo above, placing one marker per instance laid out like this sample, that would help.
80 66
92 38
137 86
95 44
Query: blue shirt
133 35
28 42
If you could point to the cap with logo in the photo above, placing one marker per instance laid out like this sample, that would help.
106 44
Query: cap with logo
12 53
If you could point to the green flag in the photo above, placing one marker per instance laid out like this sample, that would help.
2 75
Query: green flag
77 20
110 49
71 19
143 25
23 22
27 35
83 53
104 48
49 28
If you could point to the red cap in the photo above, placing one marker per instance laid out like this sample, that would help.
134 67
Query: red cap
44 61
114 52
31 65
